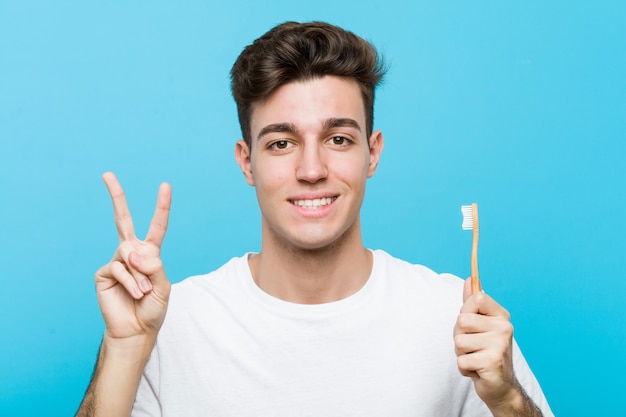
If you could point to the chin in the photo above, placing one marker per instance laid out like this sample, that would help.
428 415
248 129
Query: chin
310 238
314 243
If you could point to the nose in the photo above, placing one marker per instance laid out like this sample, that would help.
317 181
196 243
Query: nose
311 164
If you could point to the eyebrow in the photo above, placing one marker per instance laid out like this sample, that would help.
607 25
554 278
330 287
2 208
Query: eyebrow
291 128
277 128
341 122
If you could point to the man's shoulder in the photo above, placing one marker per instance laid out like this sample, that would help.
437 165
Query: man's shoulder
417 290
225 275
399 269
197 297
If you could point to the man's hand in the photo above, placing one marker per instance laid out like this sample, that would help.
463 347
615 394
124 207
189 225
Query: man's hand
483 339
132 288
133 292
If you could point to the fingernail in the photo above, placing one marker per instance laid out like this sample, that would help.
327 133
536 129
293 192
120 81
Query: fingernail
137 292
146 285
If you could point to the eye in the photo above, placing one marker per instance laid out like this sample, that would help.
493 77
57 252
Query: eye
339 140
279 145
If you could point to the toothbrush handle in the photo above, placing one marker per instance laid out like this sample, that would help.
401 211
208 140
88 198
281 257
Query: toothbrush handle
475 280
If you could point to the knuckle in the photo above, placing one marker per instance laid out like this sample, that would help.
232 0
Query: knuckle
118 270
493 358
481 297
125 248
157 264
464 321
460 344
462 364
509 329
152 265
506 328
500 349
101 271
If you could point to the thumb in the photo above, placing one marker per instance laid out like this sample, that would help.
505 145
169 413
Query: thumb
151 267
467 289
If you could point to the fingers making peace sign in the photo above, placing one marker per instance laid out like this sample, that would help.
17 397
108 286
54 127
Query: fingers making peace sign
133 290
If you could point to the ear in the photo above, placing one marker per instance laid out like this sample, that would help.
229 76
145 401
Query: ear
377 143
242 155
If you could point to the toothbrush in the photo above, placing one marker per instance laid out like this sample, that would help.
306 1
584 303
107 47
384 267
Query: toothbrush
470 222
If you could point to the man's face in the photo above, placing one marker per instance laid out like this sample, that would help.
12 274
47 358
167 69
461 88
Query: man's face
309 162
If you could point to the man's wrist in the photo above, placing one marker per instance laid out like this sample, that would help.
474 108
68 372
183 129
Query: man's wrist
516 404
118 371
116 376
129 348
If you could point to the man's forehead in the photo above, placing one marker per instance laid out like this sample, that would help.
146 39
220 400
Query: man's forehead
326 124
319 103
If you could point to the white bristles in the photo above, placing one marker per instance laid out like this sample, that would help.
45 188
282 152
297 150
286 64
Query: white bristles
468 218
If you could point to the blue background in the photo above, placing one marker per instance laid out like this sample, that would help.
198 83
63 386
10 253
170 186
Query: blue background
520 106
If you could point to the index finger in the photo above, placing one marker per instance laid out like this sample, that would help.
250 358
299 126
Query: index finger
123 220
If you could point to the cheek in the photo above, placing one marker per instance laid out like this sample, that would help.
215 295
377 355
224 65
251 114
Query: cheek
269 177
354 169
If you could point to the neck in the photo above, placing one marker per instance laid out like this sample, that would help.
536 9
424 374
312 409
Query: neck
312 276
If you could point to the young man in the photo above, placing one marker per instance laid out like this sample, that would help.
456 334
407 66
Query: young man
314 324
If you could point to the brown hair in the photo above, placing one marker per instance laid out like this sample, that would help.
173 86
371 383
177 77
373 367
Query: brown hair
298 52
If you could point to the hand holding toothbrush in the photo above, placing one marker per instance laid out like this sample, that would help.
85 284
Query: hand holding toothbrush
483 339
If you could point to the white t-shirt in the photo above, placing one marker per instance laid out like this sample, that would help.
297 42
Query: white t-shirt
227 348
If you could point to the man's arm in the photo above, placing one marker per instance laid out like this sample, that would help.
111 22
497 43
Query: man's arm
518 404
133 292
115 380
483 338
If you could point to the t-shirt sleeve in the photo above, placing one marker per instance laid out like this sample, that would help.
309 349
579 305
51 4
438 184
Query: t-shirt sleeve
528 381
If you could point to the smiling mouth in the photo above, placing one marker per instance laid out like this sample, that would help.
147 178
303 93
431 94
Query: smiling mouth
314 203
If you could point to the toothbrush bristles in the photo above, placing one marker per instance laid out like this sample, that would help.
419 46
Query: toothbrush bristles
468 218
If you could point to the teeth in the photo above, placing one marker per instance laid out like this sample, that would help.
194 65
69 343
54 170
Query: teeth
318 202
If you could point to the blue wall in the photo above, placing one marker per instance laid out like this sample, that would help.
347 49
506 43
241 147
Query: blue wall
520 106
